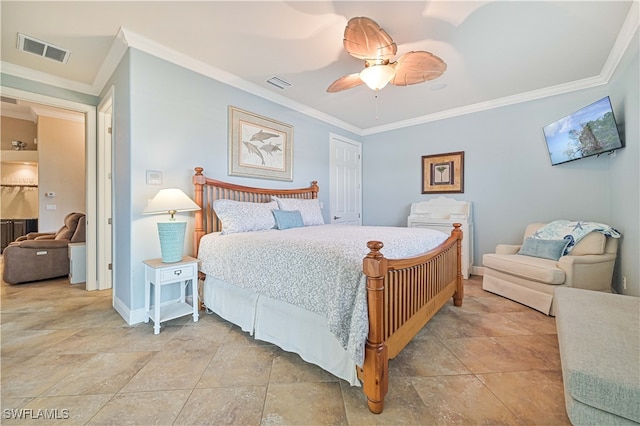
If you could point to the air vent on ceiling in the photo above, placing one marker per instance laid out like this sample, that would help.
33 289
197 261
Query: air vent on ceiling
279 83
42 48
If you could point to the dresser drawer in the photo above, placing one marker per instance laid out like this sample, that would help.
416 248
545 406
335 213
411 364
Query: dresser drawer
181 273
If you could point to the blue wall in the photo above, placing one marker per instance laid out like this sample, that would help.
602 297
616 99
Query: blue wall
624 173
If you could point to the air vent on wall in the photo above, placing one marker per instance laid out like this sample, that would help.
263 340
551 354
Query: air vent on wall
42 48
9 100
279 83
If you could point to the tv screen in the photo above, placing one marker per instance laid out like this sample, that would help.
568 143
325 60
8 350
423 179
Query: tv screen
589 131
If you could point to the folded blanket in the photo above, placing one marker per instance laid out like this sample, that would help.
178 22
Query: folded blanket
573 231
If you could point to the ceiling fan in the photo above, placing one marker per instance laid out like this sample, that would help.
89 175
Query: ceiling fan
364 39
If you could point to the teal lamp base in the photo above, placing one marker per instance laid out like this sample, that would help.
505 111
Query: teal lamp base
171 235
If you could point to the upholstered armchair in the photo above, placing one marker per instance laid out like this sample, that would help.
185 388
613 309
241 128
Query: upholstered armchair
529 275
41 256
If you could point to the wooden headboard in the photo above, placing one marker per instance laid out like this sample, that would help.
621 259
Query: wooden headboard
208 190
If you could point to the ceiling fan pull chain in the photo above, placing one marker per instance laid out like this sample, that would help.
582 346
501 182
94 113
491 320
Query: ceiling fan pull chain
377 90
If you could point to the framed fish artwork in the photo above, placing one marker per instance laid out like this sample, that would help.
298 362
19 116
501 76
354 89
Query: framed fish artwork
259 147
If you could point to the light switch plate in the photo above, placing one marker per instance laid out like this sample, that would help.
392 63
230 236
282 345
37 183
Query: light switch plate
154 177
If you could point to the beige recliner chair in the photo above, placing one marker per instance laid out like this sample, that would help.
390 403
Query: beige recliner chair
531 280
41 256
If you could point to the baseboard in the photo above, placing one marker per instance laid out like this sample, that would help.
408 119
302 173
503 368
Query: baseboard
123 310
477 270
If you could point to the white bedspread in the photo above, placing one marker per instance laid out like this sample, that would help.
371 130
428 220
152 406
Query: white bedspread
318 268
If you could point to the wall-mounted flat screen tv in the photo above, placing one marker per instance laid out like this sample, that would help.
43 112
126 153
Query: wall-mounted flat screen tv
591 130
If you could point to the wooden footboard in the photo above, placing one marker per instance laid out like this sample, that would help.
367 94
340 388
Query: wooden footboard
402 296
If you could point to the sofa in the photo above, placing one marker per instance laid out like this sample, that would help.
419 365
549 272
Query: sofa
40 256
531 277
599 341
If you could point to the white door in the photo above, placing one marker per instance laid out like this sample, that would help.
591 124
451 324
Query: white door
346 177
105 227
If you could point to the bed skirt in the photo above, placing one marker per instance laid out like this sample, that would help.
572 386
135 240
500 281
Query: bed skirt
291 328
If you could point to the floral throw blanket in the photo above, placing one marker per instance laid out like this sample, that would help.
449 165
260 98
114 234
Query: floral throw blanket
573 231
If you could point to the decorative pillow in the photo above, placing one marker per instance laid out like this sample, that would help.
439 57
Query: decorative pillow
309 209
288 219
546 249
239 216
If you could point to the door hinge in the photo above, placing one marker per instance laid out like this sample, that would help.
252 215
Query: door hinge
109 221
110 266
109 130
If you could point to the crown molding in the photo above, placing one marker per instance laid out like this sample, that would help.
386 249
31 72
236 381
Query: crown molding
62 114
624 39
45 78
146 45
111 61
492 104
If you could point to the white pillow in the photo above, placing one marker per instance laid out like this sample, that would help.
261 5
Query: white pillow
239 216
310 209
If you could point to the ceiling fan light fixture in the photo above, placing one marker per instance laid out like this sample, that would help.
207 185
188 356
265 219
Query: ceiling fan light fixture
377 76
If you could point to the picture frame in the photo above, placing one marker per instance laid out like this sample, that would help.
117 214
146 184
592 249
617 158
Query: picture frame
443 173
259 147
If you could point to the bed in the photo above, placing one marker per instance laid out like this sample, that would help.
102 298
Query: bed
359 308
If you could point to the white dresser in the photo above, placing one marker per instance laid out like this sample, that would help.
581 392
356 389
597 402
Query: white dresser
440 214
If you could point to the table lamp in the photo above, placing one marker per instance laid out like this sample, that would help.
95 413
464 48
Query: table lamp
171 232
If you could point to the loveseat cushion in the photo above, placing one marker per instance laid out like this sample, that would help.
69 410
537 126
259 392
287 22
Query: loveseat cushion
531 268
600 349
592 243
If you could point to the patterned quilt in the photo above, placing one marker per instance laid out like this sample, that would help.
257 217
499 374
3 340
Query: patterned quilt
318 268
573 231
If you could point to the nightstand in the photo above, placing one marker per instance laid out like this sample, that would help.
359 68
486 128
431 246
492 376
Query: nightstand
159 275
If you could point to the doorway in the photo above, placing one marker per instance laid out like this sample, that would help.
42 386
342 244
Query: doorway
89 113
345 180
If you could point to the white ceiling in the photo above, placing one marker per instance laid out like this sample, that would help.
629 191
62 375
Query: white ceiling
497 52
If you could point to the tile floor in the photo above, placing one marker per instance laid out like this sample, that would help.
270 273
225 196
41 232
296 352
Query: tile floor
67 354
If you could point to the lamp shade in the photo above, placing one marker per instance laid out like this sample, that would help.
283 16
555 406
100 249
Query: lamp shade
170 200
377 76
171 232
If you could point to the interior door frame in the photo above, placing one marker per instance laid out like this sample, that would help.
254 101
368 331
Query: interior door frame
104 160
89 112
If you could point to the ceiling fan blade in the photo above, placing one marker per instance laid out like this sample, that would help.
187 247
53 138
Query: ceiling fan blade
364 39
344 83
417 67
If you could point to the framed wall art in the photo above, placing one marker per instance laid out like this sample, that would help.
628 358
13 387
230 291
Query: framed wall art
443 173
259 146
